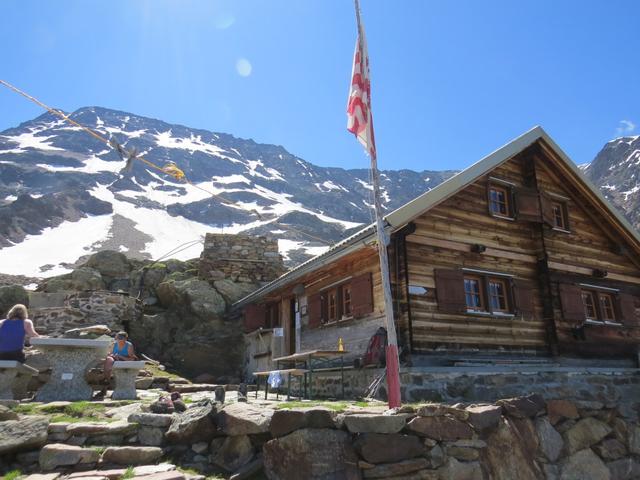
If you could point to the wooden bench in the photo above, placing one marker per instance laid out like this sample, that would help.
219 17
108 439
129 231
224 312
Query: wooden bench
295 372
124 374
14 378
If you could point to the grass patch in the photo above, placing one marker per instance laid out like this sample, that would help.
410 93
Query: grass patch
335 406
98 449
128 473
12 475
26 409
156 372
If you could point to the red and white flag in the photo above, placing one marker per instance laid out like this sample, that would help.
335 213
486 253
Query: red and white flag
359 116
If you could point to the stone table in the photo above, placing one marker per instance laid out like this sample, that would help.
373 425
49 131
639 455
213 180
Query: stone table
70 358
14 378
125 373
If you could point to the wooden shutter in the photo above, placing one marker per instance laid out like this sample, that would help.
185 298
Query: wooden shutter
627 309
571 301
528 205
548 216
361 295
254 317
450 290
523 292
314 307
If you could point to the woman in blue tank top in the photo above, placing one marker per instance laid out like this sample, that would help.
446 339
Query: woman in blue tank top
122 350
13 331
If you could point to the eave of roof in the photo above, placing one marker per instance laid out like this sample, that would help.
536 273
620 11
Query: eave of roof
416 207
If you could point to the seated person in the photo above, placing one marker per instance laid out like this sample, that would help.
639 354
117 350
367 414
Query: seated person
13 331
122 351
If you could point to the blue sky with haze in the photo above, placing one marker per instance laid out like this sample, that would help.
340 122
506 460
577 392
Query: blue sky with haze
451 80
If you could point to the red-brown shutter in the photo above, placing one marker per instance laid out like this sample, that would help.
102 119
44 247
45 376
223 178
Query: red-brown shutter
528 205
362 295
627 309
523 292
314 307
571 301
450 290
254 317
548 216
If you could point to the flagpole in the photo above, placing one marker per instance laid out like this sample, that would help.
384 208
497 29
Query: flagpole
392 360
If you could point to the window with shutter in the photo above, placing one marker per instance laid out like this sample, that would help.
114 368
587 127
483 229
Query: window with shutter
528 205
450 290
523 297
548 216
361 295
627 309
314 309
254 317
571 302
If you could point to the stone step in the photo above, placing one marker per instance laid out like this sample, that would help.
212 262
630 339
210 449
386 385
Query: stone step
142 471
193 387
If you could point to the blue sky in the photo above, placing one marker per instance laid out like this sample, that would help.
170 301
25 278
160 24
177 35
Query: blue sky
451 80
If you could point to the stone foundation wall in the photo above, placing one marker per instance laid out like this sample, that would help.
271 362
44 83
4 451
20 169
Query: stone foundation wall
240 258
82 309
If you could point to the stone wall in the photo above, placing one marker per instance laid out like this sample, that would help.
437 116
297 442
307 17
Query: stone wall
81 309
524 438
240 258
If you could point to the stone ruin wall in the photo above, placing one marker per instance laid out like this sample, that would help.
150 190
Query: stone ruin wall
55 313
240 258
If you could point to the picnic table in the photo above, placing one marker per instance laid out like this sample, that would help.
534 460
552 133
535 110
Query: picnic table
70 358
311 361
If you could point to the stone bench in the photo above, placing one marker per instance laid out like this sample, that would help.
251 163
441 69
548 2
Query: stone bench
14 378
124 374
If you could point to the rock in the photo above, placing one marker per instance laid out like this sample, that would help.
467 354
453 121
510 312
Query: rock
86 278
109 264
7 414
484 417
200 447
395 469
463 453
28 458
42 476
436 456
151 469
132 455
584 465
634 440
624 469
560 409
234 453
507 456
151 419
24 434
455 470
244 419
551 472
318 417
144 383
550 440
284 422
59 455
151 436
194 425
523 407
610 449
386 448
10 295
232 291
437 410
198 296
91 429
440 428
219 394
364 423
249 470
584 434
312 454
171 475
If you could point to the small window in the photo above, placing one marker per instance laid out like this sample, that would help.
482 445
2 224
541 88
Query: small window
473 293
498 298
346 300
560 216
606 307
332 300
589 302
500 200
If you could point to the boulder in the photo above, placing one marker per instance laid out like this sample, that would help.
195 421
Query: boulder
57 455
365 423
483 417
584 434
151 436
284 422
109 264
437 410
523 407
396 469
312 454
234 453
195 295
624 469
584 465
10 295
634 440
455 470
610 449
386 448
90 429
151 419
318 417
24 434
232 291
7 414
86 278
550 440
561 409
507 456
465 454
244 419
440 428
132 455
194 425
